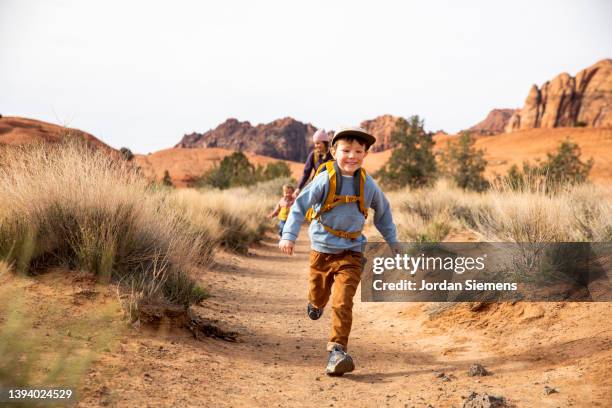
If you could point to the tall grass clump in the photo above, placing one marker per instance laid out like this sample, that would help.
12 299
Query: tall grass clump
73 206
429 214
534 214
194 212
241 212
573 213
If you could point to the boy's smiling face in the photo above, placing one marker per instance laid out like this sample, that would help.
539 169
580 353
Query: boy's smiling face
349 155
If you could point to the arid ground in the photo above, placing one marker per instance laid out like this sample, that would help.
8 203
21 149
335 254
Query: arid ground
279 357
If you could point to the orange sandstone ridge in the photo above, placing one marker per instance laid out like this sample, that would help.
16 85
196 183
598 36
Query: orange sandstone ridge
504 150
584 100
15 131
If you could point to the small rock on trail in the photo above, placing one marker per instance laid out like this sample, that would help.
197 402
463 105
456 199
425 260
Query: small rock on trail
476 400
550 390
477 370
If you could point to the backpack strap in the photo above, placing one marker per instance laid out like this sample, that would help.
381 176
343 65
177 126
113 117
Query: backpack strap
360 188
334 183
342 234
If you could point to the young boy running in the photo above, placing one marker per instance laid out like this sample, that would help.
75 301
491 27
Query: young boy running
340 197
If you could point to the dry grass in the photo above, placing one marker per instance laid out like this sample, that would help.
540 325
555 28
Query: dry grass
576 213
71 206
240 211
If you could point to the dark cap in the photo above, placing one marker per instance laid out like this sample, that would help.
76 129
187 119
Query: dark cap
357 133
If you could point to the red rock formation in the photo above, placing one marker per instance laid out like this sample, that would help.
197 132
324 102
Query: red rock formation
381 128
284 138
584 100
495 122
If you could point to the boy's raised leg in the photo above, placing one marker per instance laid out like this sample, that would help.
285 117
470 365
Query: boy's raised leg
320 280
347 276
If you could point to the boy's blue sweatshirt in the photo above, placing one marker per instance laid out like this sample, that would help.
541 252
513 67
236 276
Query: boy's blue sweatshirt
345 217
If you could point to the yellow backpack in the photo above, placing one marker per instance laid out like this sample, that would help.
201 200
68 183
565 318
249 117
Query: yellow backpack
334 198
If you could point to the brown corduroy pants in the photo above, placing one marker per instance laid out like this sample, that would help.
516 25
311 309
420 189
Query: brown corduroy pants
342 272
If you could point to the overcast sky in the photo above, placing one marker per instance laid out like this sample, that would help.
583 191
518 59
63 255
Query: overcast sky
143 73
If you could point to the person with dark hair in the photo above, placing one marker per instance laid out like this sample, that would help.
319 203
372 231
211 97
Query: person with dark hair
316 158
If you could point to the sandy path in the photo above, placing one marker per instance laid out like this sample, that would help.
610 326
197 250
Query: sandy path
280 358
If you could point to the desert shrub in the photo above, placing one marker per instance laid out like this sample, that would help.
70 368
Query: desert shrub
575 213
236 170
565 166
194 211
561 168
276 170
429 214
167 180
464 164
126 153
412 162
412 228
239 212
76 207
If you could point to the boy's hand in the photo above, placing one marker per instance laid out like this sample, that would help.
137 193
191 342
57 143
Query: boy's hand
286 246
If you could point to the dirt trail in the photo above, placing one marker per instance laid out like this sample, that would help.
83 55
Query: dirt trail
280 358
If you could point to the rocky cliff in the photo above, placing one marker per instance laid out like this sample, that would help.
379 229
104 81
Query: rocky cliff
583 100
381 128
284 138
495 122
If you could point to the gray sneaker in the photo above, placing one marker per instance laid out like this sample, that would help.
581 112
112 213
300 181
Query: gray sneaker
339 362
313 312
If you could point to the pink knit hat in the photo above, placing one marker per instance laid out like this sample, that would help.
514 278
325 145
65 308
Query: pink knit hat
320 136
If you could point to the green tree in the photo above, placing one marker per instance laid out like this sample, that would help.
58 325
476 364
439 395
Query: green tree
465 164
412 162
234 170
276 170
565 166
126 153
515 179
560 168
167 180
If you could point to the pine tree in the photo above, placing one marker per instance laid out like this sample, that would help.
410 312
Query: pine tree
465 164
560 168
565 166
126 153
412 162
276 170
167 180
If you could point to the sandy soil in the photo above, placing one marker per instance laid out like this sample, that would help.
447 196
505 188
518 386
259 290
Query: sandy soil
280 356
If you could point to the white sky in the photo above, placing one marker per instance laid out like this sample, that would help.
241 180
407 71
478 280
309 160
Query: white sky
143 73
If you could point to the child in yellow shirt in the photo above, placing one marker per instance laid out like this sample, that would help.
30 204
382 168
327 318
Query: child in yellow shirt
282 208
